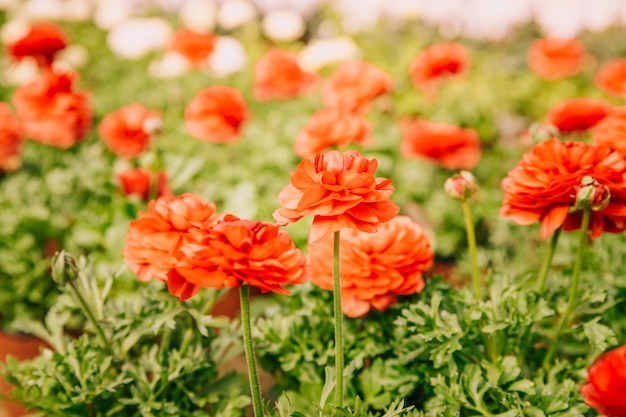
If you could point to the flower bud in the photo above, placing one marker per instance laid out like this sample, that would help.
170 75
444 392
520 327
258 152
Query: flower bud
64 268
591 194
539 133
461 186
152 125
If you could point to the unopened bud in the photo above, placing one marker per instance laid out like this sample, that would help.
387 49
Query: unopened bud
461 186
152 125
540 133
64 268
590 193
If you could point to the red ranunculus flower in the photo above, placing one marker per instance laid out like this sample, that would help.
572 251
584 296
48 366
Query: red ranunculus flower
11 140
196 47
139 181
339 190
331 127
127 131
51 112
354 85
611 131
443 144
577 114
611 78
237 252
42 41
278 75
375 267
156 235
554 58
436 63
604 389
216 115
542 187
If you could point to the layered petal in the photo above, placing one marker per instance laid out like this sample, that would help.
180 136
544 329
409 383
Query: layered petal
604 389
127 132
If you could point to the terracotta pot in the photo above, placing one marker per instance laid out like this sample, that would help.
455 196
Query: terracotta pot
22 348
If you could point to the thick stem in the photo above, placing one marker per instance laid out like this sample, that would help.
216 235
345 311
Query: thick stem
547 262
571 304
471 244
255 386
90 316
339 359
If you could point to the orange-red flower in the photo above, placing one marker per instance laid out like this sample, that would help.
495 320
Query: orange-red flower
354 85
443 144
42 41
578 114
542 187
278 75
604 389
156 235
216 115
51 112
127 131
339 190
554 58
437 63
237 252
375 267
196 47
611 78
331 127
11 140
139 181
611 131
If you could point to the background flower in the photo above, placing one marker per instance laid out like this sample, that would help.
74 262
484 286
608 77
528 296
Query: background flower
339 190
611 78
611 131
604 389
51 112
443 144
375 267
554 58
216 114
277 74
139 181
542 187
42 41
195 46
577 114
11 139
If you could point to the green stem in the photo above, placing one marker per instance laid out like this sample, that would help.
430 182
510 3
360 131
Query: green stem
574 289
547 262
471 243
339 359
88 313
255 386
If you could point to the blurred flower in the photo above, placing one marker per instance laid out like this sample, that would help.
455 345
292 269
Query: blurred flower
172 65
277 75
436 63
155 236
42 41
229 57
111 13
139 181
72 57
127 131
578 114
339 190
604 389
196 47
41 10
354 85
555 58
77 10
18 73
611 78
611 131
306 8
331 127
11 140
542 187
375 267
198 15
136 38
283 26
443 144
461 186
237 252
235 13
50 112
322 52
216 115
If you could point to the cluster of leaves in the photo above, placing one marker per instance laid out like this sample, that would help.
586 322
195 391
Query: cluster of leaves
154 357
442 351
